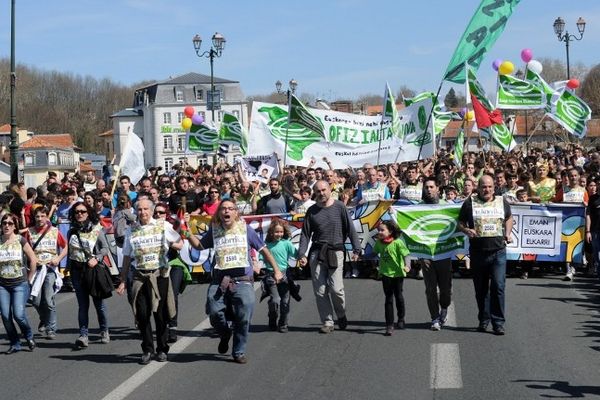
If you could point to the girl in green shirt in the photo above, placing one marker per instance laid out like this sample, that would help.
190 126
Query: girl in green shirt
393 266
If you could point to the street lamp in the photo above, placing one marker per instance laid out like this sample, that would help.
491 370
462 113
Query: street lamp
292 85
14 145
559 27
218 44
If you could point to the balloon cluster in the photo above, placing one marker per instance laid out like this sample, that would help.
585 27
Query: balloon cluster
191 118
503 67
466 114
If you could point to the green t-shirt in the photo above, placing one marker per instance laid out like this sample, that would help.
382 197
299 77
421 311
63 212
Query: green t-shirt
391 258
282 251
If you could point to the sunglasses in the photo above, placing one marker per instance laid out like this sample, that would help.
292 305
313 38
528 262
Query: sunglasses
80 211
160 212
9 223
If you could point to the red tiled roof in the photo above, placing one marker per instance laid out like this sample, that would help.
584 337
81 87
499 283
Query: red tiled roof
60 141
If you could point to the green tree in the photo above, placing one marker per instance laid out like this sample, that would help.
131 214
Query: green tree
450 100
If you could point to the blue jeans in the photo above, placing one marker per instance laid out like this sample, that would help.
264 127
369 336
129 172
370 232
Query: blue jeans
45 304
240 301
489 279
83 301
12 306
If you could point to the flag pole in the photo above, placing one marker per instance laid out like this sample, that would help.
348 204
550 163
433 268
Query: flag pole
381 132
118 172
287 127
428 122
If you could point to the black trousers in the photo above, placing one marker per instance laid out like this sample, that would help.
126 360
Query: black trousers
144 313
392 289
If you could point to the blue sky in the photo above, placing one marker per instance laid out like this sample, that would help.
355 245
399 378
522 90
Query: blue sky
334 49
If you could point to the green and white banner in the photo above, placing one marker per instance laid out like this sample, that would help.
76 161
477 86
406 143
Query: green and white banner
232 132
485 27
302 116
517 94
430 231
352 140
390 112
440 118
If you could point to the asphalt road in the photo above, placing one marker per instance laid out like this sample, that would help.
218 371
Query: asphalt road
550 350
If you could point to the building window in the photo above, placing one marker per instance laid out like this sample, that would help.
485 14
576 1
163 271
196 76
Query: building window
180 117
29 158
167 142
179 94
52 158
168 164
203 114
181 143
220 116
166 118
199 94
221 90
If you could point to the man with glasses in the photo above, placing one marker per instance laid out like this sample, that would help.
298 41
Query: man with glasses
145 251
231 287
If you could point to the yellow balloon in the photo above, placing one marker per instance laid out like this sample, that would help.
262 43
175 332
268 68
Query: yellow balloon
471 115
506 68
186 123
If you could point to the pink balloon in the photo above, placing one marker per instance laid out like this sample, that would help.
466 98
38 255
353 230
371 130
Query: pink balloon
197 119
526 55
573 83
496 64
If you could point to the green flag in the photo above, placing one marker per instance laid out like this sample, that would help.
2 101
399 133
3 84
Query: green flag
430 231
300 115
232 132
202 139
563 106
440 118
517 94
571 113
459 148
485 27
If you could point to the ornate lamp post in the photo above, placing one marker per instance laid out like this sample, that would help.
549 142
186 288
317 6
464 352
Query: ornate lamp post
213 101
559 27
292 85
14 145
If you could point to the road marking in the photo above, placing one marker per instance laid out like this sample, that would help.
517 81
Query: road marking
445 372
137 379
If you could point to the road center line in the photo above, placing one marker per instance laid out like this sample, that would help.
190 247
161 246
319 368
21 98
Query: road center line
137 379
445 372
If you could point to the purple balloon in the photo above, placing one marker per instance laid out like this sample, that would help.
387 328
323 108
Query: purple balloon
197 119
496 64
526 55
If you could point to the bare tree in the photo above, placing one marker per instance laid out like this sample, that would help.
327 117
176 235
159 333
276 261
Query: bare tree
590 89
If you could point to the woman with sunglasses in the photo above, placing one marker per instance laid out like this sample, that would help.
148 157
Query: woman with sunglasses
14 282
211 204
87 247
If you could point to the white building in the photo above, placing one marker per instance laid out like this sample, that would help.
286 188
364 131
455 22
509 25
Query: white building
158 111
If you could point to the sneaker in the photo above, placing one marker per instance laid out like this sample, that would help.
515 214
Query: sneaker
146 358
224 342
499 331
42 328
241 359
283 329
435 325
104 337
389 330
343 323
82 341
51 335
326 329
443 318
12 350
161 356
400 324
568 277
31 344
420 274
482 327
524 275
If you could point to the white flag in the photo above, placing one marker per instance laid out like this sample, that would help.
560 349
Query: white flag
132 159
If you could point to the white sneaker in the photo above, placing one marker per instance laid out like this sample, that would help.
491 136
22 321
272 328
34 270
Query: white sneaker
420 274
104 337
435 325
443 318
568 276
82 341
